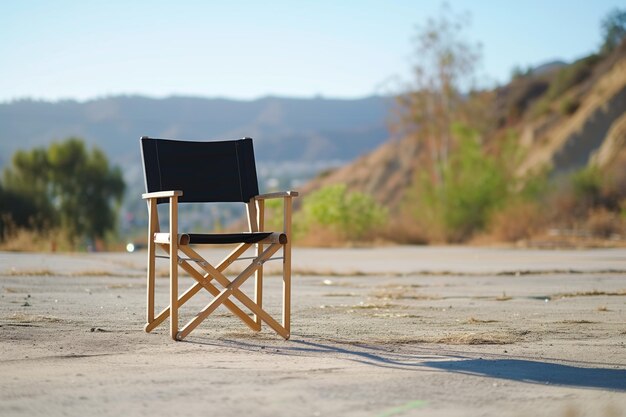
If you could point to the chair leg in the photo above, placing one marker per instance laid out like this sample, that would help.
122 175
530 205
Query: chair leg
258 276
150 285
174 269
287 268
287 288
150 288
258 287
153 224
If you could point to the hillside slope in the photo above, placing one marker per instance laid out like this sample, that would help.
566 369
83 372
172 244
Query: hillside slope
565 141
571 142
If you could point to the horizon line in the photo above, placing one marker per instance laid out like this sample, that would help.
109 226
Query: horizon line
187 96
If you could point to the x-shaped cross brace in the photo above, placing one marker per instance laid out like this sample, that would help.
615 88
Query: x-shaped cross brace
221 297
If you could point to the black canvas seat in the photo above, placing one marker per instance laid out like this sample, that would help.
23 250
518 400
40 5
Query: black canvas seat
179 172
226 238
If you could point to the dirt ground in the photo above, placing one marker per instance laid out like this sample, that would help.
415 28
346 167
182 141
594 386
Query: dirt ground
380 332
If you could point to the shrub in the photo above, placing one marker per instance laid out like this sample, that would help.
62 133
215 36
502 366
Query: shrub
474 184
569 106
351 215
572 75
541 108
565 79
587 186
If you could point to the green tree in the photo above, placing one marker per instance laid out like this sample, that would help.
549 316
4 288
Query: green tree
72 187
20 210
459 183
613 29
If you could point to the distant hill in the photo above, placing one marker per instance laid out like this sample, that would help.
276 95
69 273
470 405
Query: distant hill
284 129
548 67
294 138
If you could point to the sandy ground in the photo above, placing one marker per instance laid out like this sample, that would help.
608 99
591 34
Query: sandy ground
397 331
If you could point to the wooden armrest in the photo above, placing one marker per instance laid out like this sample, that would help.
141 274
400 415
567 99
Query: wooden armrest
162 194
279 194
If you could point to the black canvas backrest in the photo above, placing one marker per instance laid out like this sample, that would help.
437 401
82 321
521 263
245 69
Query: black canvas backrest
221 171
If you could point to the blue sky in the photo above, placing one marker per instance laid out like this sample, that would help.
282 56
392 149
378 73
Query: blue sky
247 49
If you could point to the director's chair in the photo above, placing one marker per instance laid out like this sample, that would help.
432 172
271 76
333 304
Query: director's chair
207 172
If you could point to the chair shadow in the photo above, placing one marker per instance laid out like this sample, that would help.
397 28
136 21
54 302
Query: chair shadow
537 372
520 370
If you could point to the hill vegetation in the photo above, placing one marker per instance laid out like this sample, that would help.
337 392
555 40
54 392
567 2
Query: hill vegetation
539 158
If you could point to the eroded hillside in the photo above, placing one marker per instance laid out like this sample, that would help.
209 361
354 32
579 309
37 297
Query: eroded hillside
565 131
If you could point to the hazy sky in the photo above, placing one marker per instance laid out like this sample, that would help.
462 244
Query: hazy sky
83 49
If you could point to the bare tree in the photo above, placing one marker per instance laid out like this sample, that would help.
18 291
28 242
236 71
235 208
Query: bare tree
443 76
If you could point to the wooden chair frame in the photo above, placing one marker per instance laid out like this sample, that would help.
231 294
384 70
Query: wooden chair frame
209 273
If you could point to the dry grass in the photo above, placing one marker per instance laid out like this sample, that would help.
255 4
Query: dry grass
517 221
473 320
385 306
330 273
73 274
604 223
29 273
466 338
503 297
22 240
400 286
592 293
401 295
404 230
478 339
93 273
395 315
577 322
52 240
322 237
